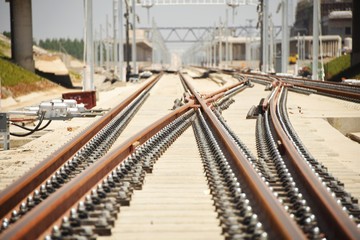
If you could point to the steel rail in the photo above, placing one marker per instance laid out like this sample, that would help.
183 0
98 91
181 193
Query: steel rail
342 227
353 88
309 84
322 89
214 98
20 189
337 92
223 90
224 93
279 219
260 77
33 224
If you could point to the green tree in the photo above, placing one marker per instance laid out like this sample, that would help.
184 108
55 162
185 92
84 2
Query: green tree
7 34
74 47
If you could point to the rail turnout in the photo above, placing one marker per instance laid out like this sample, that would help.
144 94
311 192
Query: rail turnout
279 192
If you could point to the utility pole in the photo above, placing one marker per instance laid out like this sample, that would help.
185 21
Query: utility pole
107 44
154 48
101 47
207 54
134 38
227 41
260 22
315 54
115 40
265 36
127 48
220 44
271 45
96 49
248 41
299 48
215 48
88 82
285 37
211 52
121 44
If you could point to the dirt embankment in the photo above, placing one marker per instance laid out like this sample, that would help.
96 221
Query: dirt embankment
22 89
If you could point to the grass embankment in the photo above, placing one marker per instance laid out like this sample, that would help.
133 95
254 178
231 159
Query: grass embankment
16 81
339 65
4 47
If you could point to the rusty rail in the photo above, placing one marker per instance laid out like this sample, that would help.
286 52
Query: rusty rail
33 224
214 98
346 94
339 223
20 189
281 222
320 89
306 80
223 90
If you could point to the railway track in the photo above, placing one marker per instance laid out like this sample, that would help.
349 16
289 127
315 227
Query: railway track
53 171
324 201
331 89
269 196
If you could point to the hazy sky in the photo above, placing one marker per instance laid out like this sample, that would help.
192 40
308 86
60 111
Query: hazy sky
64 18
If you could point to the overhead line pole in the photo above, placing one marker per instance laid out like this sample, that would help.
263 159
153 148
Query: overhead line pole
260 22
135 70
315 54
88 82
220 44
96 49
227 41
115 29
101 48
127 48
215 49
285 37
271 45
107 50
121 41
265 33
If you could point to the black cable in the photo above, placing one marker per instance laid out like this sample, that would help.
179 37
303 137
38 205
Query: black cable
32 130
45 126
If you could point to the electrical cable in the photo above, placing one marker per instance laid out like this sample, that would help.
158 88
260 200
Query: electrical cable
29 129
33 130
45 126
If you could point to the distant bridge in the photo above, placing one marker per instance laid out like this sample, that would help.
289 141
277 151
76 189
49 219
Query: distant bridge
196 34
150 3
